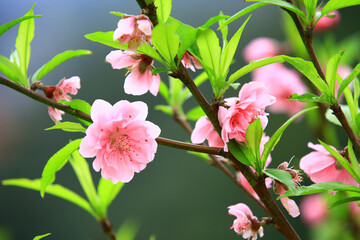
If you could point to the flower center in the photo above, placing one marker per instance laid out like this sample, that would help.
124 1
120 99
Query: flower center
119 141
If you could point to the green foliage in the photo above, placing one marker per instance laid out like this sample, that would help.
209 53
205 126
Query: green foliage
195 113
128 230
310 10
331 69
106 38
283 4
275 138
80 105
107 191
163 10
56 163
354 73
241 13
345 200
253 136
68 127
332 118
5 27
56 61
12 71
119 14
212 21
281 176
238 151
53 189
306 97
82 171
41 236
336 4
165 109
22 44
320 187
187 41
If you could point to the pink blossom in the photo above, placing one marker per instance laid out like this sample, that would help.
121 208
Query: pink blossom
133 30
140 80
289 204
245 224
187 61
313 209
325 23
354 208
261 48
204 130
243 110
120 138
321 166
61 92
281 83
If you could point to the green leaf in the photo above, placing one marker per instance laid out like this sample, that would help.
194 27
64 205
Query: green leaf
151 52
41 236
224 32
228 52
5 27
238 151
331 69
353 160
128 230
310 6
56 163
164 91
210 52
336 4
307 69
195 113
332 118
107 191
344 162
320 187
353 74
283 4
53 189
275 138
119 14
213 20
253 136
345 200
22 44
106 38
241 13
203 156
12 71
82 106
187 41
82 171
163 10
306 97
56 61
165 109
68 127
159 70
166 42
281 176
252 66
176 87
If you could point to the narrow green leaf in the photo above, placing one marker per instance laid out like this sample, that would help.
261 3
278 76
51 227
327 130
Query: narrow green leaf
25 36
281 176
56 163
187 41
238 152
5 27
307 69
241 13
151 52
53 189
331 69
203 156
283 4
163 10
253 136
228 53
166 42
306 97
82 171
119 14
344 162
195 113
82 106
68 127
224 32
310 6
12 71
320 187
106 38
212 21
275 138
336 4
56 61
345 200
164 91
252 66
128 230
107 191
353 160
353 74
41 236
176 87
165 109
159 70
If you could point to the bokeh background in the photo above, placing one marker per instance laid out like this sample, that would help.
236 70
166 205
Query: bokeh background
178 196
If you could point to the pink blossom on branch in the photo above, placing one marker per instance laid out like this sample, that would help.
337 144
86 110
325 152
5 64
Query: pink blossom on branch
321 166
133 30
188 61
245 224
120 138
140 79
204 130
61 92
242 111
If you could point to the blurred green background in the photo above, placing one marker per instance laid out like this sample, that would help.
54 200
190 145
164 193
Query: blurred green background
177 196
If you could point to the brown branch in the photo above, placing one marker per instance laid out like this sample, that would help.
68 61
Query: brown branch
107 228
